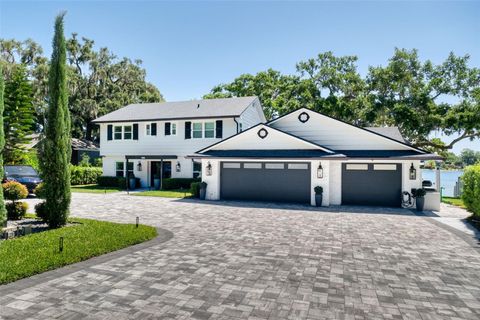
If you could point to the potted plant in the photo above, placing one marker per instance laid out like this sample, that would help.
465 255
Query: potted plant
203 190
318 196
419 195
132 181
156 181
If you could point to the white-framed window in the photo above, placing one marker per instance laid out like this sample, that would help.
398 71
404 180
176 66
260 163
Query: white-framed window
117 132
197 132
209 130
197 169
127 132
173 129
357 166
231 165
130 169
148 129
252 165
274 166
119 168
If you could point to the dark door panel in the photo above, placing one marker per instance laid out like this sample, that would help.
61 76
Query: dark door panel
367 184
265 181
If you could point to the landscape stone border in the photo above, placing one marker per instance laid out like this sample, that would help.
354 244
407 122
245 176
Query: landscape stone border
163 236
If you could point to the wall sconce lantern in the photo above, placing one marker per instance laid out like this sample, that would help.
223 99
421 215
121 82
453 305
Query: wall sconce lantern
139 166
320 171
413 173
178 167
209 169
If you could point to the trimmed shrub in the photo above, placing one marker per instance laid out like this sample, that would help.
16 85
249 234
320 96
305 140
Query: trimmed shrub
108 181
115 182
41 211
13 190
177 183
40 191
195 189
471 189
84 175
16 210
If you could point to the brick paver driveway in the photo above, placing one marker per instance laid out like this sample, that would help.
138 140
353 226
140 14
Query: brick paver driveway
234 260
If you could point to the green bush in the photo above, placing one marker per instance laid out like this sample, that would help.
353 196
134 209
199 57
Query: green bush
13 190
177 183
41 212
195 189
84 175
471 189
115 182
40 191
16 210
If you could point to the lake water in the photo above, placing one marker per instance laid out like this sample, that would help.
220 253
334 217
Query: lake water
448 178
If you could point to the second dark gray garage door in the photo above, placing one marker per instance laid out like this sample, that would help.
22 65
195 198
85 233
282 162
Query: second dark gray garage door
372 184
265 181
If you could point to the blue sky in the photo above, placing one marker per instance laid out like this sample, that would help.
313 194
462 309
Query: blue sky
189 47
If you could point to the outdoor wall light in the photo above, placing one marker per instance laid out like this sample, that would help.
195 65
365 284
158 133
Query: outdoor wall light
320 171
139 166
413 173
209 169
178 167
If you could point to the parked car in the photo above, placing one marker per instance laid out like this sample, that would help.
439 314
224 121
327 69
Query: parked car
26 175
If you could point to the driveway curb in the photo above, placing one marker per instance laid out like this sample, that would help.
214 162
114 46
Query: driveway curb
162 237
471 240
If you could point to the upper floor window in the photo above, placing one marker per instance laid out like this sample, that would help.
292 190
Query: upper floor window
117 133
173 129
127 132
209 130
148 130
197 130
240 125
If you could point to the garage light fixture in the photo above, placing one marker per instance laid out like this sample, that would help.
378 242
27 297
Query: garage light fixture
209 169
178 167
139 166
413 172
320 171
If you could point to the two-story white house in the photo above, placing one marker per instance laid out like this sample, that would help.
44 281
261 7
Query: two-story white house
154 138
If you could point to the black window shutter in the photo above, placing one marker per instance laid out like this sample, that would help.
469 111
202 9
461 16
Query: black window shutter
135 131
109 132
219 129
167 128
188 130
153 129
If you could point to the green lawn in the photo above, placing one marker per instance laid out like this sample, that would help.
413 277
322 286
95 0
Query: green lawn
454 201
175 193
93 188
39 252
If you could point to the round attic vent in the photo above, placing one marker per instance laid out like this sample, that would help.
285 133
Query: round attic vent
303 117
262 133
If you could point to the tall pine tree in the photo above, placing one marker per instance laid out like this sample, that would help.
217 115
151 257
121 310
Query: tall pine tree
18 115
56 148
3 212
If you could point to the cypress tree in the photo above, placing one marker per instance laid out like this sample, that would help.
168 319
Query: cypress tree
3 212
56 147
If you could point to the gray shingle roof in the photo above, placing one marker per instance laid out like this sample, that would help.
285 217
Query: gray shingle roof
390 132
207 108
84 144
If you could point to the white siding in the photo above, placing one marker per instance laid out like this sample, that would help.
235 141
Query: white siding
252 115
334 134
322 182
275 140
160 144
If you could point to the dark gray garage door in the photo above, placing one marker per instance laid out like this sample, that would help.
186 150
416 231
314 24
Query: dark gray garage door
372 184
265 181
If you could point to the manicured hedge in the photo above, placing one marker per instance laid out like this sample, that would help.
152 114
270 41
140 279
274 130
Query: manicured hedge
177 183
84 175
115 182
471 189
195 189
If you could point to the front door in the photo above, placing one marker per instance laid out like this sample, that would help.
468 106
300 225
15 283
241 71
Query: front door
156 169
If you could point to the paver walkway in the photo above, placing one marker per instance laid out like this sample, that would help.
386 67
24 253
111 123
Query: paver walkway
247 261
